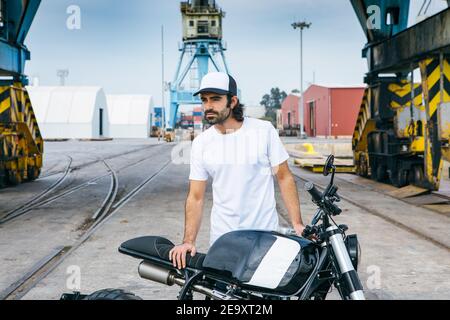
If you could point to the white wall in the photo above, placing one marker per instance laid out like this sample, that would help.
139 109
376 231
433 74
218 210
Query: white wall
254 112
130 115
69 112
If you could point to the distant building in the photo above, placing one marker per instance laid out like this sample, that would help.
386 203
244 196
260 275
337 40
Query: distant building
329 111
130 116
186 121
190 117
255 112
70 112
289 112
157 118
197 116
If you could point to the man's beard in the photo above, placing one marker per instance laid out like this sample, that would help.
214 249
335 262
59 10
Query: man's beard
220 118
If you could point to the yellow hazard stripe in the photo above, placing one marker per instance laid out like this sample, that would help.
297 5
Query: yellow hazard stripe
363 116
447 69
4 105
402 90
3 89
401 94
435 77
434 83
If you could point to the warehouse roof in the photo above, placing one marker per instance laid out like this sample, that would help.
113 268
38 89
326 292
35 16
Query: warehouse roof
66 104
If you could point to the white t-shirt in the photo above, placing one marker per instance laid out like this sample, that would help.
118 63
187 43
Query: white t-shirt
240 164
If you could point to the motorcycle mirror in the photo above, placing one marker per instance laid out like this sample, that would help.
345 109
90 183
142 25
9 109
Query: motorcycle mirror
328 165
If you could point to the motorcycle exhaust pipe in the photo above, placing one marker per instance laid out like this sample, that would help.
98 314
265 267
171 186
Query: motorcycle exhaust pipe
158 274
161 275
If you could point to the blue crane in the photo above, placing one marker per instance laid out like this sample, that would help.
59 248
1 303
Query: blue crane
202 42
15 22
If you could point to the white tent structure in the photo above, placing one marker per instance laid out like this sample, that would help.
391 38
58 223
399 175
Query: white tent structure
255 112
70 112
130 116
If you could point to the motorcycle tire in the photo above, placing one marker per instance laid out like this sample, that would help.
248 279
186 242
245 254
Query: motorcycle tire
112 294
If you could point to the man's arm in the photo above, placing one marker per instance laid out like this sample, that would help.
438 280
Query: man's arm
289 194
194 210
193 218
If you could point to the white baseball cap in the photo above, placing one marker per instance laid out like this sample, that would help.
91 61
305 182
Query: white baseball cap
218 82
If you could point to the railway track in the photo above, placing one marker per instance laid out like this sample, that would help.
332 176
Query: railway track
110 197
423 198
35 203
108 209
376 213
29 204
419 196
87 164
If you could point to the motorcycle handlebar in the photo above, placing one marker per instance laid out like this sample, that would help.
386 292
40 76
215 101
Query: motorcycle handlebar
315 194
332 208
317 197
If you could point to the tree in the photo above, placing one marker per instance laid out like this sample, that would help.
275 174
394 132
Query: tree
272 102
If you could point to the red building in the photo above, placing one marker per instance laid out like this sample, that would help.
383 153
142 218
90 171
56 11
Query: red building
328 111
289 111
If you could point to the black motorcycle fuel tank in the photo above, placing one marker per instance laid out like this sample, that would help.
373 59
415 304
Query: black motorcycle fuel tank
261 260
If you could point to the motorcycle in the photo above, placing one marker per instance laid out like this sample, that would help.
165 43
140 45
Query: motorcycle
258 265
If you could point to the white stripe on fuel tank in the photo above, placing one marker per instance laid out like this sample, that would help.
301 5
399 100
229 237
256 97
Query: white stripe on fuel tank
275 263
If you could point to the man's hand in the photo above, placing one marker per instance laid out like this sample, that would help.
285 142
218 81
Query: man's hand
178 254
299 229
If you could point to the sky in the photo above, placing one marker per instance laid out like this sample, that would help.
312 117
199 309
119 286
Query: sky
118 44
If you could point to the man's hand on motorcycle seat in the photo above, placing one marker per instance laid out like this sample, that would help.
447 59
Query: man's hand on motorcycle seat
178 254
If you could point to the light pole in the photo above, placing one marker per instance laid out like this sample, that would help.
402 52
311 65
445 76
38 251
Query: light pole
163 103
301 25
163 115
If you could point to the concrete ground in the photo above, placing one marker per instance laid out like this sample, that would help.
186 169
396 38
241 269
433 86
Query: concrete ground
395 263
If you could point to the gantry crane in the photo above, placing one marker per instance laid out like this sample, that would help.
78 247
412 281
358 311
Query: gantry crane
21 143
403 128
202 44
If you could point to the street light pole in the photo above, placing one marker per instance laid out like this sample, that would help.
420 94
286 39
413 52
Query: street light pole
163 103
163 109
301 25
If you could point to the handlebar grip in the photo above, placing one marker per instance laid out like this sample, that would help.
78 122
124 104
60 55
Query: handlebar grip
332 208
315 194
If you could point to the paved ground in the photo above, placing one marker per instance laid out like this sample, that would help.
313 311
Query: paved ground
396 263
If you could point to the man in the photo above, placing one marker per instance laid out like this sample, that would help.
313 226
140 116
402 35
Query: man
241 155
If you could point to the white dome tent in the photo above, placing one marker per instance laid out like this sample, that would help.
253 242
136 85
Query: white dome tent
70 112
130 116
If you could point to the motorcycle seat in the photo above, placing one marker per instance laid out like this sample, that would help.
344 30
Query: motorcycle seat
151 247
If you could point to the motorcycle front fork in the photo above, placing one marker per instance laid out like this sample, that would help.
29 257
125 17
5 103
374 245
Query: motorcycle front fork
349 276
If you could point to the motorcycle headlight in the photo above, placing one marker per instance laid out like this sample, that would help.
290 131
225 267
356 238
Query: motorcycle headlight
351 242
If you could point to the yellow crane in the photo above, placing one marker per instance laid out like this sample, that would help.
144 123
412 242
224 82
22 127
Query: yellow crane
403 128
21 143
